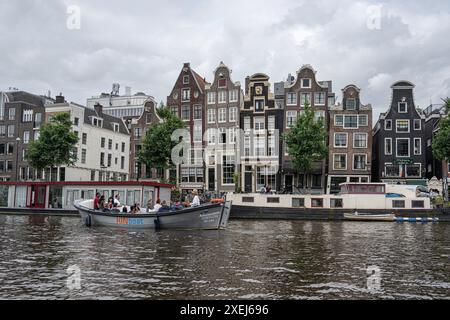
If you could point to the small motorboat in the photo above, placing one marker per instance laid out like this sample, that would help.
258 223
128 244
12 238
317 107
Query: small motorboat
206 217
359 216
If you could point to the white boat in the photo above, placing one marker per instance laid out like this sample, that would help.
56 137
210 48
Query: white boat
206 217
357 216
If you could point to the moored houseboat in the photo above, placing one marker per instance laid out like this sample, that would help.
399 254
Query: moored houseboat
373 198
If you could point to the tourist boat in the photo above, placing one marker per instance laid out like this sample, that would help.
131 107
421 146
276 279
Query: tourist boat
376 198
206 217
357 216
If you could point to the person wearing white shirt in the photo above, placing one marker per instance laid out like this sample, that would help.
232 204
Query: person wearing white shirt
156 207
196 200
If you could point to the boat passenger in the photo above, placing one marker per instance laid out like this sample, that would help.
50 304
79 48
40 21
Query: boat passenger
196 200
157 207
96 201
101 203
110 203
117 201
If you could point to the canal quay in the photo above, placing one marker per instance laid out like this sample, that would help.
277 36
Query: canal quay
251 259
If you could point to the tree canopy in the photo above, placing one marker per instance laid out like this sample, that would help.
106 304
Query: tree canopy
55 144
306 141
441 142
157 144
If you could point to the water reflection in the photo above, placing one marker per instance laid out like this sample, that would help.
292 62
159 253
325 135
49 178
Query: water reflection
252 259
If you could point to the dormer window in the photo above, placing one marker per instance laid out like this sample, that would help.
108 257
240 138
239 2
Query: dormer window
306 83
116 127
350 104
96 122
402 107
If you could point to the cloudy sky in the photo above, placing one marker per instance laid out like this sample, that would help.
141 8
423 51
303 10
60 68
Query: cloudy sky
143 44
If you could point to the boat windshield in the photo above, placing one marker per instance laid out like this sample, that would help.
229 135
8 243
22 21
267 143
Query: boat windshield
363 188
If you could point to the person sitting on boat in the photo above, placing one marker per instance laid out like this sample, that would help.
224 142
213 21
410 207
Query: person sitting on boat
110 203
96 201
196 200
157 207
101 203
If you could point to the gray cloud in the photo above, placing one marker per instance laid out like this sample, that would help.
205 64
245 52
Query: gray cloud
143 44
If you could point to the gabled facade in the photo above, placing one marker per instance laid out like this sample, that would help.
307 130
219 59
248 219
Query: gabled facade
261 121
297 91
399 140
138 128
21 116
350 141
187 101
224 99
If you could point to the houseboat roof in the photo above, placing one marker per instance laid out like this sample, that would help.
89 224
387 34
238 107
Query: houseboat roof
87 183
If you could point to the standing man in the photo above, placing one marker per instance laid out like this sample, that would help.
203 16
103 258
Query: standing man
96 201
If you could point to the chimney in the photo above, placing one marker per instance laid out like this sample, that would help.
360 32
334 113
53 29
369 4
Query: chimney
247 83
60 99
98 108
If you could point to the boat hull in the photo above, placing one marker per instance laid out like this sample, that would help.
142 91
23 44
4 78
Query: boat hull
206 217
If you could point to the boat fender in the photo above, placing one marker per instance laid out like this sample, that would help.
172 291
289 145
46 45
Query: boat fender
88 220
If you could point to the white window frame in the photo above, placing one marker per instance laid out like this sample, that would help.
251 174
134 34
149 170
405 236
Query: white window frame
222 115
420 124
26 137
396 147
294 94
406 107
211 97
346 162
247 123
324 98
222 96
385 126
339 115
232 114
350 128
420 146
396 126
346 103
184 79
367 120
188 90
234 95
365 161
414 164
385 149
301 83
197 132
354 140
346 140
290 114
257 120
264 104
211 115
271 120
308 94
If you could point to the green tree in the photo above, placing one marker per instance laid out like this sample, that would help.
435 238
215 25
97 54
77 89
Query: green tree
306 141
55 144
441 142
157 144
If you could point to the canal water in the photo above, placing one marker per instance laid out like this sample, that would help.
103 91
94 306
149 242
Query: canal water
250 260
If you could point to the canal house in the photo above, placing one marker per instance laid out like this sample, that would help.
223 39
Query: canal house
399 140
